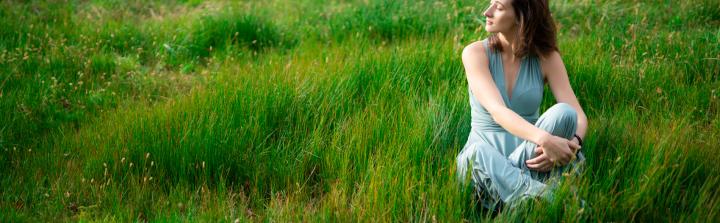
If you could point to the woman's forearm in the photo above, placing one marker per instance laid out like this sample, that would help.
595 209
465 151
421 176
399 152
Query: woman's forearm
516 125
513 123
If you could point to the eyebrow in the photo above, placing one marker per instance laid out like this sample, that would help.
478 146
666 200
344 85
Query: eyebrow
498 3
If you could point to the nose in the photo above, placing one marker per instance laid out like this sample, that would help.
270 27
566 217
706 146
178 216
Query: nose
489 11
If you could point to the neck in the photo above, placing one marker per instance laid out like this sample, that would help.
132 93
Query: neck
507 39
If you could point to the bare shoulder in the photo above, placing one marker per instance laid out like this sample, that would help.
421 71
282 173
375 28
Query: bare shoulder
474 52
551 57
552 63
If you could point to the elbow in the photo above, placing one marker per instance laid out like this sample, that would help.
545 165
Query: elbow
496 119
495 112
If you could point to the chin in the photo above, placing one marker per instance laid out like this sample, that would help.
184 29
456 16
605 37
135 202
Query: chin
489 29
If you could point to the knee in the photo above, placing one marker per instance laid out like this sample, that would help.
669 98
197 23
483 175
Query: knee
559 120
564 112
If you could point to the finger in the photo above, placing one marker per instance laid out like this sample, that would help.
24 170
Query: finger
535 160
547 166
543 166
569 156
538 150
536 167
573 145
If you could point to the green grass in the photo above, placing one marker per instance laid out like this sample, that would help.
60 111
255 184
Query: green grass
335 110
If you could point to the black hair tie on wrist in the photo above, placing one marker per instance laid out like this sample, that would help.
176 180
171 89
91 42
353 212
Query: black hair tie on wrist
579 139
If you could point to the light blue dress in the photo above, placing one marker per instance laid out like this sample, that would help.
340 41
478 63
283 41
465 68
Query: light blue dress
493 157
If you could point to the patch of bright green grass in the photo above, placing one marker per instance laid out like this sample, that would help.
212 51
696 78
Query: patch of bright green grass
336 121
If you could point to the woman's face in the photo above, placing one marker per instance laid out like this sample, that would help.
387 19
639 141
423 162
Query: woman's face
500 16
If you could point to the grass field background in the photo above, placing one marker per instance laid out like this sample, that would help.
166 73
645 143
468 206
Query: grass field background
312 110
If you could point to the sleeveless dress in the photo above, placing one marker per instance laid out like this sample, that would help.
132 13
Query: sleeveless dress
526 99
496 158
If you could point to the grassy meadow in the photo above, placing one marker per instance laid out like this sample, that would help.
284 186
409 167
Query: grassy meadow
324 110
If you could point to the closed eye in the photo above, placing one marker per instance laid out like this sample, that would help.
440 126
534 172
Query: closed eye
498 5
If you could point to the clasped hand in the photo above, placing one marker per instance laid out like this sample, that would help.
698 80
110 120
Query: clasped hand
555 151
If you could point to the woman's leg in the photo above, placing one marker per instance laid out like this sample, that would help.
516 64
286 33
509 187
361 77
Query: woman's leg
510 179
495 177
559 120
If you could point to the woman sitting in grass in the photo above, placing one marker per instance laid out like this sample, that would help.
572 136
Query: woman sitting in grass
512 150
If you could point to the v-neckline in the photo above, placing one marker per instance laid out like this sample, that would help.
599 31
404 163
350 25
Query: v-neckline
517 78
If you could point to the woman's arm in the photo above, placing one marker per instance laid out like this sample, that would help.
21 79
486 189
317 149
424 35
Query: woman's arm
484 89
557 77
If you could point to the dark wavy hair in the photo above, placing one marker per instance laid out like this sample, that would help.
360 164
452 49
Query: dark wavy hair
536 34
